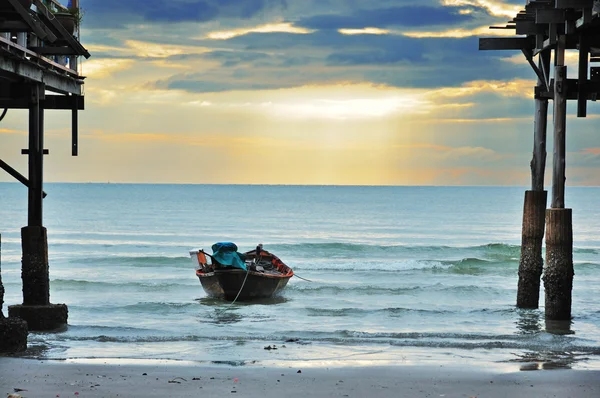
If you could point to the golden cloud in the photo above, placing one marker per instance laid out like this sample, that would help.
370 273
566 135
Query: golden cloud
514 88
460 33
282 27
10 131
155 50
364 31
100 68
494 7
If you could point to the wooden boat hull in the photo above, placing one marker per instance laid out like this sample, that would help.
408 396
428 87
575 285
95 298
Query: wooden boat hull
267 275
227 283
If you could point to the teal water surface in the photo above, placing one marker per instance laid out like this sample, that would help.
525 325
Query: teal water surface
392 271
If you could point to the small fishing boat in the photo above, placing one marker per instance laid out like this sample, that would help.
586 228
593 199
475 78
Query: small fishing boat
237 276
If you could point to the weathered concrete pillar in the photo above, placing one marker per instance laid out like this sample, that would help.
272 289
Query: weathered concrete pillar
34 271
36 308
531 263
534 209
558 273
13 331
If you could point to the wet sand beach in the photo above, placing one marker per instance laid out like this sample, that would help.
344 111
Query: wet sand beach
43 378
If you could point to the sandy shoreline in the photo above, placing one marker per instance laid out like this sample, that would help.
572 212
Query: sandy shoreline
44 378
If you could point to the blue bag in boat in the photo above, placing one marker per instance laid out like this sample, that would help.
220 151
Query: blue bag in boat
225 253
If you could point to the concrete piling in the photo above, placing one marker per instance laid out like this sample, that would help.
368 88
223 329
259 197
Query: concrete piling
558 272
36 308
531 262
13 331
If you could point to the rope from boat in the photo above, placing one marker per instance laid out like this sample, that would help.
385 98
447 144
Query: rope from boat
304 279
241 288
3 113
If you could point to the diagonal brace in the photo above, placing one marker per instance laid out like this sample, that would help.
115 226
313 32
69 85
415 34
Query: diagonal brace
529 56
18 176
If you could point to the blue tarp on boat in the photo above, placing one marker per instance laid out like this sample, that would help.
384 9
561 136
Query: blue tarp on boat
226 254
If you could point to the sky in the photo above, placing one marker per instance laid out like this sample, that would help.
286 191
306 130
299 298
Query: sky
332 92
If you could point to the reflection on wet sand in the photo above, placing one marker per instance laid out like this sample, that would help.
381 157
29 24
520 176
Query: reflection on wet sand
529 321
549 360
217 302
224 313
559 327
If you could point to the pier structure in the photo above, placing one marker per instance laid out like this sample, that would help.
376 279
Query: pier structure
39 52
547 28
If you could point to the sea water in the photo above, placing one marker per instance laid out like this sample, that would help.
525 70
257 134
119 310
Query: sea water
390 274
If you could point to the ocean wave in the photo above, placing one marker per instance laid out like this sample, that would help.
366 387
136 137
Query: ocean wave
586 250
531 342
467 266
341 312
586 265
76 284
346 257
140 308
316 250
374 290
135 261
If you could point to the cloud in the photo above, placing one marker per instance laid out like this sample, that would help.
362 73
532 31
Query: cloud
513 88
493 7
281 27
173 10
10 131
147 49
460 33
405 16
364 31
195 83
101 68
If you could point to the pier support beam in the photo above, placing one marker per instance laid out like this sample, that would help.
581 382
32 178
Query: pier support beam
13 331
534 208
558 273
531 263
36 308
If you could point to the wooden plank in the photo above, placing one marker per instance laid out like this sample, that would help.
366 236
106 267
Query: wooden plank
572 90
14 26
533 5
57 26
54 50
585 19
549 16
571 43
74 132
54 82
560 126
538 71
13 47
538 162
578 4
35 26
50 102
506 43
582 76
529 28
35 157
